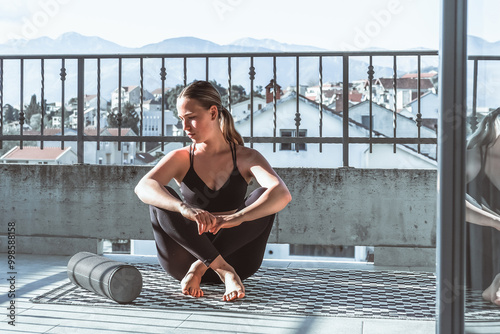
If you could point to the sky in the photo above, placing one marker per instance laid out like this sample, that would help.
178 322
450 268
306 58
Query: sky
329 24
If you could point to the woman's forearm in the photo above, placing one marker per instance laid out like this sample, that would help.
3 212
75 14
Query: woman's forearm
478 216
274 199
153 193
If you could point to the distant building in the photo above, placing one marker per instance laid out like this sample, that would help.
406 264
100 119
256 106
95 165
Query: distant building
429 109
242 109
300 154
407 90
329 90
108 153
383 122
37 156
131 94
431 75
157 93
152 122
91 102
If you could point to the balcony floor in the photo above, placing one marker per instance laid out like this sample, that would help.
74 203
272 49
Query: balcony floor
38 274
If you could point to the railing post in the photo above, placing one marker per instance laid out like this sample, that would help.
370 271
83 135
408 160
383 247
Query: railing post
81 120
345 111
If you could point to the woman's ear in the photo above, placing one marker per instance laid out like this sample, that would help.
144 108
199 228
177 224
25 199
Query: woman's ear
214 112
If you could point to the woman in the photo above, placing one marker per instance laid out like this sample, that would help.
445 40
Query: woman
214 227
483 207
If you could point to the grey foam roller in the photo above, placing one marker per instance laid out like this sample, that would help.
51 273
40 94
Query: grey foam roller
112 279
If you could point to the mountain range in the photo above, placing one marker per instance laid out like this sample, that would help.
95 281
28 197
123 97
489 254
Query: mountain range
74 43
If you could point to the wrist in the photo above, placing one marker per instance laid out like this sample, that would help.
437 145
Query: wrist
182 206
239 216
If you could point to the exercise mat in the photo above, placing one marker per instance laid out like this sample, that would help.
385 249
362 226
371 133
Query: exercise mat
325 292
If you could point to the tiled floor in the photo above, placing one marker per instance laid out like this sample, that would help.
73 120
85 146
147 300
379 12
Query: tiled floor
38 274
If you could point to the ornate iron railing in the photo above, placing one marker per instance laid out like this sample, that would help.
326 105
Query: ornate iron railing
80 138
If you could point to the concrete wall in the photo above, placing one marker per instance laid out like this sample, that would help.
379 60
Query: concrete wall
64 209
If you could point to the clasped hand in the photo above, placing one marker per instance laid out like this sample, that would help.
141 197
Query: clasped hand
208 222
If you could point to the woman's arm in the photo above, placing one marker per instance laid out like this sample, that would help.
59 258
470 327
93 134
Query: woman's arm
274 199
151 190
478 216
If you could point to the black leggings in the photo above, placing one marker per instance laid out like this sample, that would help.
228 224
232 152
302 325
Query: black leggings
179 244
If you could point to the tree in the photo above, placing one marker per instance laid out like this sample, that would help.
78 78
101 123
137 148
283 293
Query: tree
130 118
171 98
10 114
258 91
32 109
238 94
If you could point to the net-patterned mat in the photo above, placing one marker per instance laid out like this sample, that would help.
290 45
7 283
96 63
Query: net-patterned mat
326 292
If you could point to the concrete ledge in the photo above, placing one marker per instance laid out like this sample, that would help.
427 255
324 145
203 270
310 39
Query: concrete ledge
336 206
52 245
405 256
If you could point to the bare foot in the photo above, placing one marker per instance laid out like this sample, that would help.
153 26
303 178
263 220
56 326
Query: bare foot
190 284
492 293
234 286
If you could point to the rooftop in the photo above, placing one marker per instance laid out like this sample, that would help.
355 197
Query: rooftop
35 153
37 274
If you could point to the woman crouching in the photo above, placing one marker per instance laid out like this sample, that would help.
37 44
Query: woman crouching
213 232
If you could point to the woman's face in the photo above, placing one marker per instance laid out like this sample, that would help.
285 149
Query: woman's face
197 121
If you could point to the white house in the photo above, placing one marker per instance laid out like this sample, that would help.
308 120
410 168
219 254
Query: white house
157 93
131 94
309 155
383 122
330 92
91 102
429 108
35 155
242 109
407 90
108 154
431 75
151 124
150 105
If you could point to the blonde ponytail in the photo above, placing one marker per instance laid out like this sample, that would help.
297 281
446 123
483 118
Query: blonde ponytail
207 96
227 127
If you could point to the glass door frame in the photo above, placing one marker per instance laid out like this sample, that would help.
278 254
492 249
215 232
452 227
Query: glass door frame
450 267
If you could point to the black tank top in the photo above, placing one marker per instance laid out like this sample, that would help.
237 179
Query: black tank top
229 197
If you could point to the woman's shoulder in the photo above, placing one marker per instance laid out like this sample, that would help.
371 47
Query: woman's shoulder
177 156
249 155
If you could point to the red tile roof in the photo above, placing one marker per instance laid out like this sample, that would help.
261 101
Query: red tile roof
158 90
48 132
114 131
355 97
129 88
422 75
35 153
405 83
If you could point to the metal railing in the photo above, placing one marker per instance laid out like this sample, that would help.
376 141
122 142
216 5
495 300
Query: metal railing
80 138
